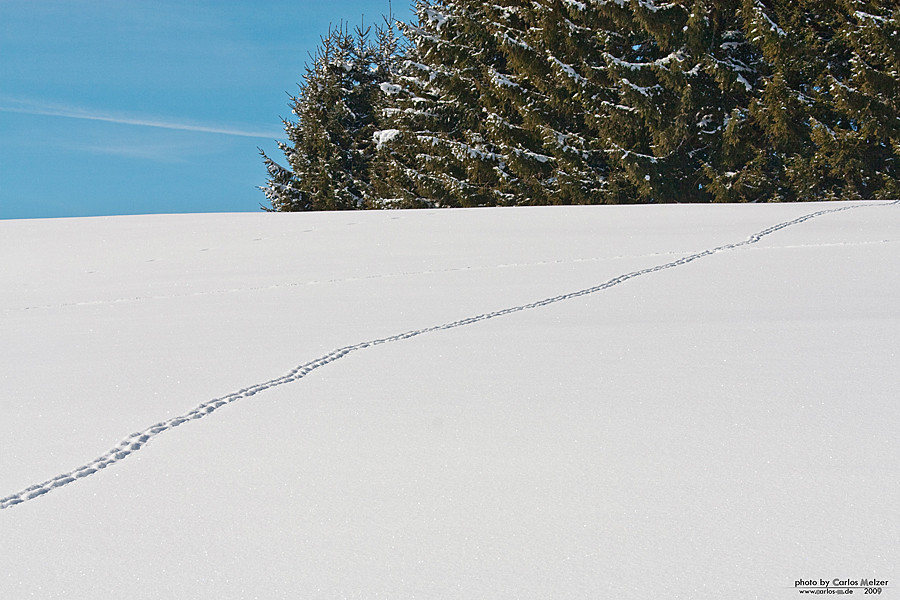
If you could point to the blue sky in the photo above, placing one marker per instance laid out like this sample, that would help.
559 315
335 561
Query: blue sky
151 106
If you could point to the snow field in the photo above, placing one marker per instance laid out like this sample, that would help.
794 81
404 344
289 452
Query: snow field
715 429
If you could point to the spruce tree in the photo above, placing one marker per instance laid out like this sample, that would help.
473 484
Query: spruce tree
487 113
859 153
589 101
331 141
671 77
440 155
546 56
775 138
823 123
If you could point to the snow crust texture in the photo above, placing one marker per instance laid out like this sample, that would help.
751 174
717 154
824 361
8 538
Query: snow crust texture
136 441
700 429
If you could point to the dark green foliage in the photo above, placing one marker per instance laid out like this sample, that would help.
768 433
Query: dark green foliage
486 111
860 155
332 144
823 123
552 151
602 101
443 154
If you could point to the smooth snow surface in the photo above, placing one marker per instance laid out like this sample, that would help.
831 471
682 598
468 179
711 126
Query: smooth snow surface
581 402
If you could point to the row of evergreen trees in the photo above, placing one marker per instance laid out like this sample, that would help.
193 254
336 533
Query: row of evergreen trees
599 101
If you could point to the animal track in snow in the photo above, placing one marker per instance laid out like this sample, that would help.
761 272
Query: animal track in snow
138 440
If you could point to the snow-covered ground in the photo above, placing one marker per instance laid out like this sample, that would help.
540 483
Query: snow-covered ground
581 402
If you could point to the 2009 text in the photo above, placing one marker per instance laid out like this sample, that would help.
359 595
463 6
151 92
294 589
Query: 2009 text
841 586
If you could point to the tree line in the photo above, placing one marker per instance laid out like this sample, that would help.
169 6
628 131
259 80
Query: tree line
535 102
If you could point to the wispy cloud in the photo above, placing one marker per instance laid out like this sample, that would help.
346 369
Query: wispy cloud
28 107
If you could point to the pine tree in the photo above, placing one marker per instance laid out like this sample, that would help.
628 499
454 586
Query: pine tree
547 78
437 153
775 137
859 153
589 101
485 113
823 123
283 190
670 78
331 143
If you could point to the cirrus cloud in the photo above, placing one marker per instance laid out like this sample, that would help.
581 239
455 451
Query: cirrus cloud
30 107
